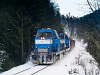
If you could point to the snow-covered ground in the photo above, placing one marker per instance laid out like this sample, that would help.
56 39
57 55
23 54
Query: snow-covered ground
77 62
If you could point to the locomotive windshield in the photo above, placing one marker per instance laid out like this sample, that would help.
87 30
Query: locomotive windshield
44 34
61 36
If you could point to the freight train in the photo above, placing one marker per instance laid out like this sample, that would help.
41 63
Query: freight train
49 46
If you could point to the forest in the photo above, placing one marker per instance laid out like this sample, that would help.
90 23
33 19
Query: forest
20 20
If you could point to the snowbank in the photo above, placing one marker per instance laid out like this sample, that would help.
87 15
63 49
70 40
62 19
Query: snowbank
18 68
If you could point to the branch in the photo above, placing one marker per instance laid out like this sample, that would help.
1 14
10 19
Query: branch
90 6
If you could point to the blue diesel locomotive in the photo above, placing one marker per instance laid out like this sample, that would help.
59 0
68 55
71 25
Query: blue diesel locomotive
48 47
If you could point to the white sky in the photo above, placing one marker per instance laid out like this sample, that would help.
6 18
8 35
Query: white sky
77 8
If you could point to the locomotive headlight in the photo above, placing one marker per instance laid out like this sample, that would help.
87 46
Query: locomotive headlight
48 47
43 38
36 47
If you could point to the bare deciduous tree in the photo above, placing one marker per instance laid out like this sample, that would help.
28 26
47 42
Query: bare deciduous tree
93 4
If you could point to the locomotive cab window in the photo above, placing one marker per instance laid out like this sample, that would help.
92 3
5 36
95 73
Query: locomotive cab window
44 34
61 37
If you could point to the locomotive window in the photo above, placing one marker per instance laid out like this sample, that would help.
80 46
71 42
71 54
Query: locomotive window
61 37
66 37
44 34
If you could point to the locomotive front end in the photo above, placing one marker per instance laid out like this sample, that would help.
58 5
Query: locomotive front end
42 53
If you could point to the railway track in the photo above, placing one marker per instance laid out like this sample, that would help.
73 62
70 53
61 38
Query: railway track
21 71
39 70
36 69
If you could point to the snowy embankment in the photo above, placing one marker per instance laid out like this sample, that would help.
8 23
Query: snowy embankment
77 62
18 69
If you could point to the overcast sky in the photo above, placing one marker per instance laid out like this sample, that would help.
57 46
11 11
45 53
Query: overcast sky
77 8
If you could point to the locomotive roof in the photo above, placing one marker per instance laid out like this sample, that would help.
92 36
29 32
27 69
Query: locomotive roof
46 30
